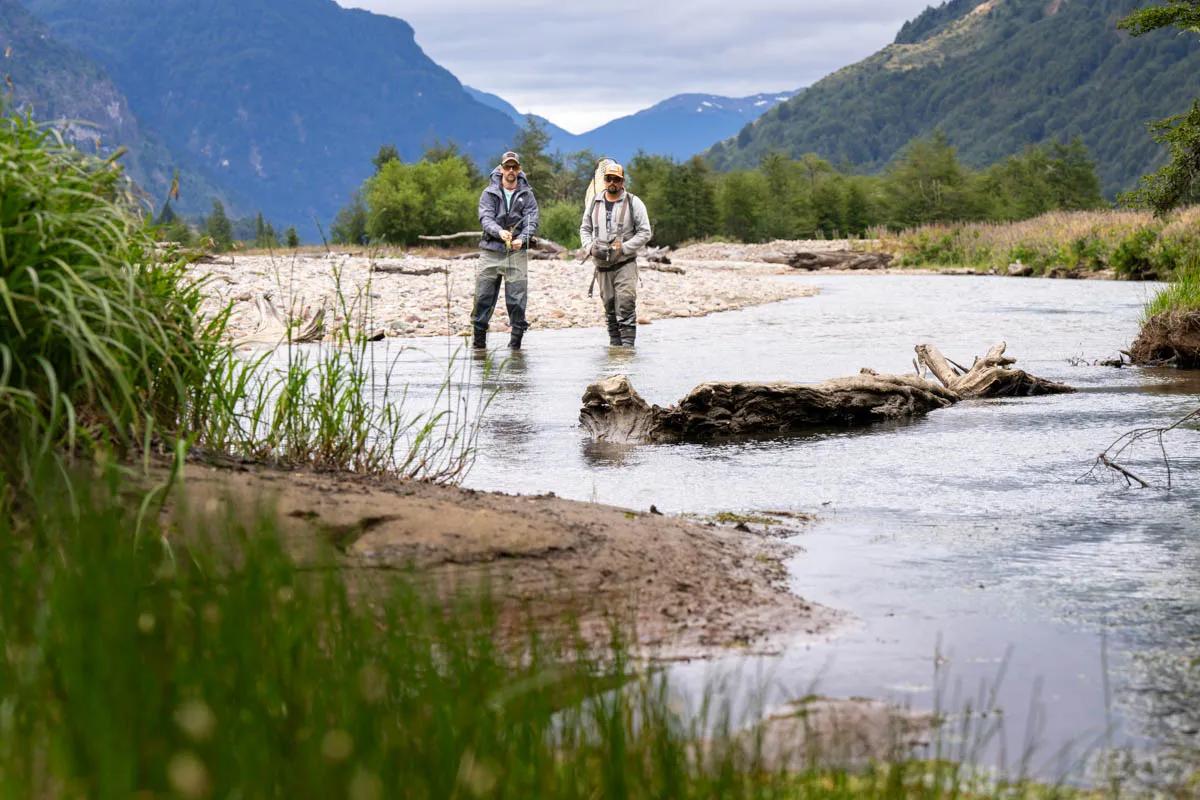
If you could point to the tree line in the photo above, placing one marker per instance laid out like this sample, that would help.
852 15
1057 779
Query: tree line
782 198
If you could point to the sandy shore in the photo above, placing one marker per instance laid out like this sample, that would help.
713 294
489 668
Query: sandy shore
686 587
385 295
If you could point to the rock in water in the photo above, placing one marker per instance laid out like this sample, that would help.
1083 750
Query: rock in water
612 411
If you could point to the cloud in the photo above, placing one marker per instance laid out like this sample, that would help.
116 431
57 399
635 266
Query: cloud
582 65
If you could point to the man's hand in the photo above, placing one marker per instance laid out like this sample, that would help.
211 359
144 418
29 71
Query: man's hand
616 245
517 244
506 236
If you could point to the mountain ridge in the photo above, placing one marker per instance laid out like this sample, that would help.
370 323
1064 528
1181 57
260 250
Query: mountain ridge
995 76
284 101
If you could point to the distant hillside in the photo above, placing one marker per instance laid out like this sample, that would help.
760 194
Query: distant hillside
557 134
58 84
995 76
680 126
285 101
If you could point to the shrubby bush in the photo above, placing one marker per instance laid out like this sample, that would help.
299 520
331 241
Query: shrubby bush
430 197
560 222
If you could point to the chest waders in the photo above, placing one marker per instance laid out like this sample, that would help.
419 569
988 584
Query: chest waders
620 224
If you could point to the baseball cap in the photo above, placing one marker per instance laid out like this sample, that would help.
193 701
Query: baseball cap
510 156
615 169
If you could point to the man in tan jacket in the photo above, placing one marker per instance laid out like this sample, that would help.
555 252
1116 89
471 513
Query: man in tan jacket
614 228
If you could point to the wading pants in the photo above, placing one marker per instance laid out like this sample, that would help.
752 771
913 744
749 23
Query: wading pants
513 269
618 290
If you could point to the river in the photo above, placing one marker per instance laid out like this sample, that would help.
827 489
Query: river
972 558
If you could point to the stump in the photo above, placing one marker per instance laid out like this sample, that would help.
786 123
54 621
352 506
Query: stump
614 412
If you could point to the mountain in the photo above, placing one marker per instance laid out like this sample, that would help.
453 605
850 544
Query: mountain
680 126
284 101
557 134
995 76
57 84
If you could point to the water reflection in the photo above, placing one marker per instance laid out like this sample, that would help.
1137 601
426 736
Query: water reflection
604 455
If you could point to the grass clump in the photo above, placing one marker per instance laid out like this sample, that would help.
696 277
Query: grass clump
1182 294
104 350
99 339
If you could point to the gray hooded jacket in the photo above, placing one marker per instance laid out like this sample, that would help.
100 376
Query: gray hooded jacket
521 217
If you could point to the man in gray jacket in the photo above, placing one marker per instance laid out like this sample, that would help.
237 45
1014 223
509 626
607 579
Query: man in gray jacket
613 230
508 213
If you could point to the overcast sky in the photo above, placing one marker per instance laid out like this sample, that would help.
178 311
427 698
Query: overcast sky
582 64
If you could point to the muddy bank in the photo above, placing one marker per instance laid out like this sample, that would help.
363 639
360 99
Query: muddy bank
417 296
686 587
1171 338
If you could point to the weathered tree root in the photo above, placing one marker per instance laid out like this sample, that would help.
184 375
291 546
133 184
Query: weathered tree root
989 376
613 411
1169 339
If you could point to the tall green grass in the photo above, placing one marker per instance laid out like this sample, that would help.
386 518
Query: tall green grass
1182 293
100 344
200 660
104 352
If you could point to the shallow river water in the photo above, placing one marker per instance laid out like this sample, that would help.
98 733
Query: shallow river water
962 544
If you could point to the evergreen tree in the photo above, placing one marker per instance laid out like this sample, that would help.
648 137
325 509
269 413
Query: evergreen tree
743 198
293 238
857 216
218 227
827 203
1178 182
539 166
167 215
927 184
350 224
386 154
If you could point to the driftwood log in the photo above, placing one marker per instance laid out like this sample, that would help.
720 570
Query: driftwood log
613 411
276 325
831 259
400 269
990 376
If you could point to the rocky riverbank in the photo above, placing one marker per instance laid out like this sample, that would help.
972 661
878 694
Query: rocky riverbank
423 296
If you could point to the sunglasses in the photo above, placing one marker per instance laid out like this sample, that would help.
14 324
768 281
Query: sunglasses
510 166
613 179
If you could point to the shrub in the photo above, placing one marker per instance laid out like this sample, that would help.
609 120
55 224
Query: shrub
560 222
407 200
1132 258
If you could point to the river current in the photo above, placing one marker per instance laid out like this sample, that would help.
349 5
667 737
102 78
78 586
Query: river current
972 559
